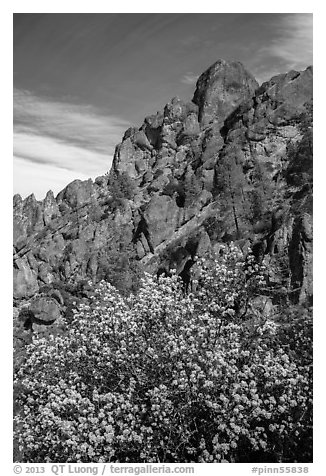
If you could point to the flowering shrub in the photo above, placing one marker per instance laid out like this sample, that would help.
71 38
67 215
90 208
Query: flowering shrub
165 376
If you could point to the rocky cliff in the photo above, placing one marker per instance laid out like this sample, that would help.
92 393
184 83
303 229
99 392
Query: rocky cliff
234 164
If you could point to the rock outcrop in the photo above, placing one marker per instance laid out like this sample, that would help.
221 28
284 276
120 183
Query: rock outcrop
221 89
194 175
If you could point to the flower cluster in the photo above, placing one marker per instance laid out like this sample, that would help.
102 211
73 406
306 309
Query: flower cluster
167 376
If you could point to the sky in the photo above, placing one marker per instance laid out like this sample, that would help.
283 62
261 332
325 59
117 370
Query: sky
81 79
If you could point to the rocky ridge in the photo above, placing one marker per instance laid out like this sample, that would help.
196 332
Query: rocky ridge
197 174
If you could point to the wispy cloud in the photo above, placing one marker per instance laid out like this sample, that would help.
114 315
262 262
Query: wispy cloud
189 78
291 49
39 179
196 41
294 46
38 149
67 137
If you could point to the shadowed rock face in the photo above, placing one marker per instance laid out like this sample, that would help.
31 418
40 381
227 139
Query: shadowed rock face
192 176
221 88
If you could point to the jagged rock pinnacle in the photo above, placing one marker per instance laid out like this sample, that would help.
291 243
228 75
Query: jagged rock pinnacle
221 88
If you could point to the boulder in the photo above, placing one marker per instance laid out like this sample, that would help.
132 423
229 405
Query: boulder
161 216
123 160
221 88
177 110
50 208
24 279
140 139
77 194
45 309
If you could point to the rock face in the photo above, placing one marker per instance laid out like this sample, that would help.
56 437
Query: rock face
25 279
45 309
221 89
196 174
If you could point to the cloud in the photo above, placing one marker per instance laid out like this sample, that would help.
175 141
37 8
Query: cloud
195 42
43 177
38 149
189 78
74 140
293 46
79 124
